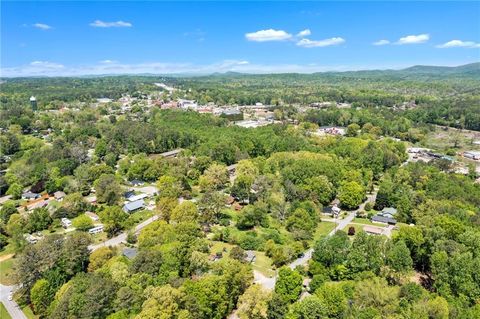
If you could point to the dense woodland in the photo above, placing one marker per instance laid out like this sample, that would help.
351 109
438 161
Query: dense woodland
285 177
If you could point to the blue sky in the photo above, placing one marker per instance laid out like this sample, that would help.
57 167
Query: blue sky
74 38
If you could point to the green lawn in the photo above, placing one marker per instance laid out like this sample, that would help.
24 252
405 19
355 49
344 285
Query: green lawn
29 313
263 264
357 228
218 246
3 312
6 272
323 228
363 221
7 250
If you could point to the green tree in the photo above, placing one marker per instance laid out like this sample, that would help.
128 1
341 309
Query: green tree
351 194
289 284
107 189
113 219
41 295
253 304
185 212
15 190
82 222
398 257
333 299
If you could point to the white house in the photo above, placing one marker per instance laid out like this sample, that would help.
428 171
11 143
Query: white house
66 222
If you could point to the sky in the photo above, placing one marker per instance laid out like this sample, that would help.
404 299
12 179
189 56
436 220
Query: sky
109 37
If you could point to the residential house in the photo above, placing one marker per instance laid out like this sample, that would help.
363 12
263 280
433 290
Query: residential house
66 223
250 256
30 195
130 253
137 182
59 195
94 217
173 153
373 230
475 155
133 206
384 220
96 229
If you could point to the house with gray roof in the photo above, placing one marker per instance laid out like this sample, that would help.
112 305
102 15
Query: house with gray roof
133 206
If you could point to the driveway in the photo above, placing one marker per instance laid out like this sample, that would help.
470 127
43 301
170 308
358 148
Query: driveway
117 240
11 306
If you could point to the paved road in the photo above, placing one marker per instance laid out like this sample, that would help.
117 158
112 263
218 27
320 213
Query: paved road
11 306
117 240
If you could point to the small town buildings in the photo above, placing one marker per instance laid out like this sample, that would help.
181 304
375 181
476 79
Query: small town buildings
130 253
173 153
133 206
94 217
373 230
59 195
37 204
475 155
137 182
66 223
384 220
135 198
96 230
389 212
30 195
250 256
187 104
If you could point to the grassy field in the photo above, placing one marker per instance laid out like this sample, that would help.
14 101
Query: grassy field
29 313
323 228
3 312
263 264
357 228
6 272
363 221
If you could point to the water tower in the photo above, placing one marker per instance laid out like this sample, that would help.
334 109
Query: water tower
33 103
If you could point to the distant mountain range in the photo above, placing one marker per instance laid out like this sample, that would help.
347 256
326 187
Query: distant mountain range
467 68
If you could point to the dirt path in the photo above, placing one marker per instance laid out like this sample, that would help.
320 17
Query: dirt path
6 257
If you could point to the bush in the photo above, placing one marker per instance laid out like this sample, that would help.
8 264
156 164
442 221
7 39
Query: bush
368 206
351 231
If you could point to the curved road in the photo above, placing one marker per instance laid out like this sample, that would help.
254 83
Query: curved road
117 240
269 282
11 306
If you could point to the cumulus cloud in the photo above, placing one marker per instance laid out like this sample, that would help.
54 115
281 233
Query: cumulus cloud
307 43
115 24
304 33
414 39
381 42
42 26
108 61
46 64
268 35
459 44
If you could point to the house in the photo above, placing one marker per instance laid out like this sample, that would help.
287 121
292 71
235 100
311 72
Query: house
250 256
336 210
384 220
135 198
133 206
96 230
91 199
33 239
231 169
94 217
388 212
30 195
129 194
475 155
37 204
130 253
137 182
66 222
59 195
173 153
373 230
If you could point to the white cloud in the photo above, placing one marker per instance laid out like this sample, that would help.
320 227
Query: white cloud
307 43
414 39
108 61
268 35
459 44
46 64
42 26
115 24
381 42
304 33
